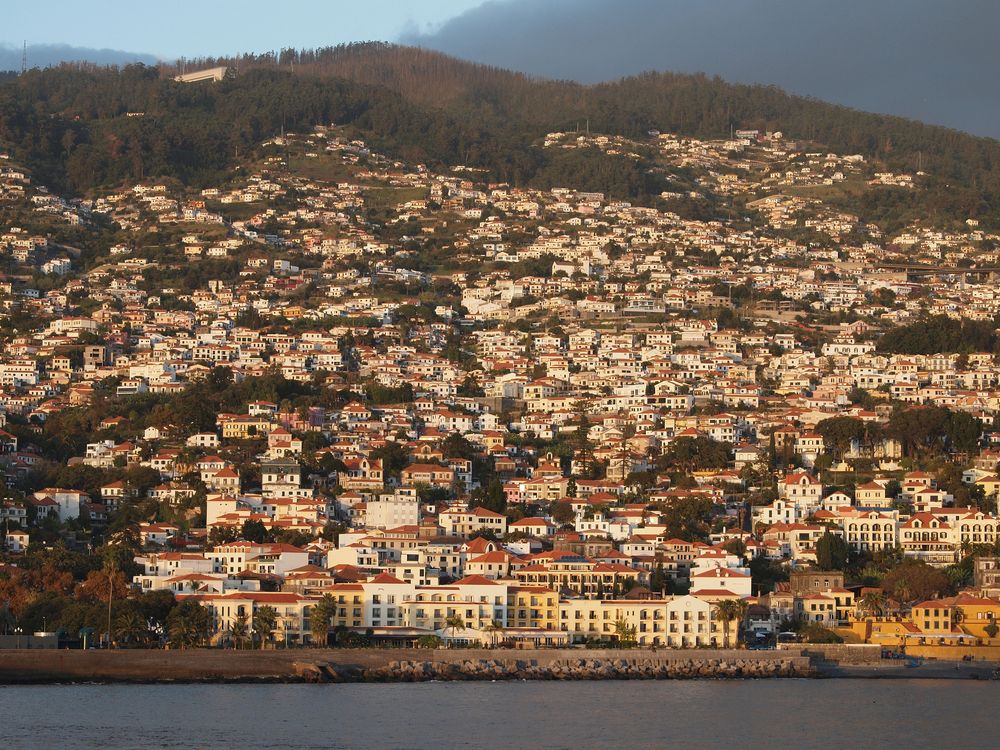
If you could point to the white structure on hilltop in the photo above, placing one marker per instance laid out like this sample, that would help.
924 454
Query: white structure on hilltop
209 74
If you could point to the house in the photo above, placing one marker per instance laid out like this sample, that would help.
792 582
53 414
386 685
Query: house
16 541
725 579
64 503
432 475
465 523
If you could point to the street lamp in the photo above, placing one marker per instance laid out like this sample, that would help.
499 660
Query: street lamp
18 630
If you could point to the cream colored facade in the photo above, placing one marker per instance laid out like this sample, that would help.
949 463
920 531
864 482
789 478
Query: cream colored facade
870 531
677 622
479 603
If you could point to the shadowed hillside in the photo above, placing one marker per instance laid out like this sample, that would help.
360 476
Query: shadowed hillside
425 106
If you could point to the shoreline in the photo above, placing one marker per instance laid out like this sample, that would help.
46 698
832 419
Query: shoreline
333 666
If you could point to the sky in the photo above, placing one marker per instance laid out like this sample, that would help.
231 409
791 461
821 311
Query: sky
933 60
221 27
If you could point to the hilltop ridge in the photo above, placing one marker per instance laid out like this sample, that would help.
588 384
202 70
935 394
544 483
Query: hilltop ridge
72 125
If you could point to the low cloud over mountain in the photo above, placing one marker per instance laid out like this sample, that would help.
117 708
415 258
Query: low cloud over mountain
44 55
924 59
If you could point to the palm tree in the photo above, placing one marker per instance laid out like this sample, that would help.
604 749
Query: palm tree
131 627
726 611
742 606
264 621
187 624
239 631
453 623
493 628
184 633
7 619
872 604
319 619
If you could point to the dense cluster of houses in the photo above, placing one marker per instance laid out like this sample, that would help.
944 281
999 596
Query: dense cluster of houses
561 317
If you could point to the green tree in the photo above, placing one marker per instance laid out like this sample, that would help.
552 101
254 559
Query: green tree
457 446
494 627
320 617
493 497
689 517
963 431
840 432
562 512
688 454
728 611
832 552
872 604
658 579
625 634
470 387
254 531
815 633
914 581
187 624
239 631
131 628
265 619
394 457
571 487
454 623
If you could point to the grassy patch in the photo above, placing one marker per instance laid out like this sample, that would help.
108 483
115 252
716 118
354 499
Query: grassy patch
323 168
848 188
389 197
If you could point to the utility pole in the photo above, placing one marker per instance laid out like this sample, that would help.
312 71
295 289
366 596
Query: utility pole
24 57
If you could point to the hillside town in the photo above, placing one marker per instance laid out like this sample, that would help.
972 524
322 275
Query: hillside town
339 399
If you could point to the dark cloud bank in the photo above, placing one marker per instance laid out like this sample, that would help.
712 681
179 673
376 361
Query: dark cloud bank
932 60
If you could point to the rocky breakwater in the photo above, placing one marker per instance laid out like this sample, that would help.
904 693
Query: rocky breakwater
564 669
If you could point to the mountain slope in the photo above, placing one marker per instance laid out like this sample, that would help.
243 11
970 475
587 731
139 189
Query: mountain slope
424 106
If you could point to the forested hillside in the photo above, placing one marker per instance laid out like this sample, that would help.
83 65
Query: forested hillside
71 123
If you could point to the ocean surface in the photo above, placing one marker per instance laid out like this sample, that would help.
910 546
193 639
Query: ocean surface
775 714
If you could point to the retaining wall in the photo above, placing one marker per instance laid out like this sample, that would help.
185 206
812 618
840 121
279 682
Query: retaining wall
842 653
281 665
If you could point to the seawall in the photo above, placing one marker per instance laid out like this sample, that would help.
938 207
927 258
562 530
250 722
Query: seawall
392 665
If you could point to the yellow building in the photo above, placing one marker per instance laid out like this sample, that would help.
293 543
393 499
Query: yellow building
242 427
887 632
963 619
350 599
532 607
962 614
